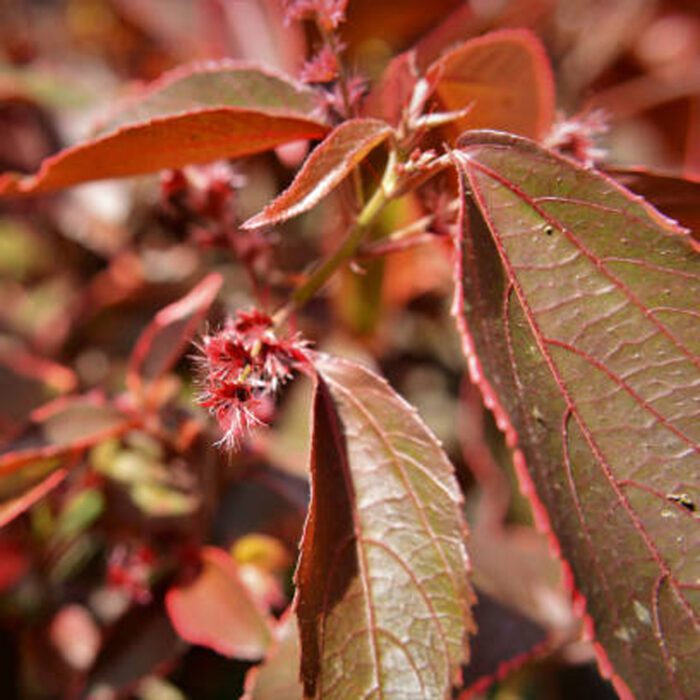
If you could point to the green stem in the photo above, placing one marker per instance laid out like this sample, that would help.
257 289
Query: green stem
349 246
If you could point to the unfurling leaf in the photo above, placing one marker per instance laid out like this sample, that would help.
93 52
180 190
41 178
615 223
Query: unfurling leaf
579 307
217 611
331 162
191 115
505 76
390 613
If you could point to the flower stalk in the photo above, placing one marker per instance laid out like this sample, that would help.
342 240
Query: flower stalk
349 247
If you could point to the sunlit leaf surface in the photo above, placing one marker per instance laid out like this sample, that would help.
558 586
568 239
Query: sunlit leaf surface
579 306
389 616
506 78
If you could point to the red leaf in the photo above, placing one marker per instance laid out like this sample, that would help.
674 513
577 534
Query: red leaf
581 305
390 614
164 339
216 610
392 94
190 115
329 164
506 77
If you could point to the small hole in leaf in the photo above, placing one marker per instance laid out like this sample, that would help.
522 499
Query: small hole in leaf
548 230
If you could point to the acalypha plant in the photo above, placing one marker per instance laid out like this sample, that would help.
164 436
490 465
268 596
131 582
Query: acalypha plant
390 213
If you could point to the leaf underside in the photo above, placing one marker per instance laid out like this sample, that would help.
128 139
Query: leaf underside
329 164
579 308
225 110
388 618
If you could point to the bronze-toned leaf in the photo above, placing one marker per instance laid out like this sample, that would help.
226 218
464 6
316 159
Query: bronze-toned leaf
390 614
579 307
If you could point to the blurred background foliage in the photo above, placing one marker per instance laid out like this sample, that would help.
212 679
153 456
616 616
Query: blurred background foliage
84 571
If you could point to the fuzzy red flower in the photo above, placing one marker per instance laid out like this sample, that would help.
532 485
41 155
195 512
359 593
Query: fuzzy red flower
322 68
328 13
242 366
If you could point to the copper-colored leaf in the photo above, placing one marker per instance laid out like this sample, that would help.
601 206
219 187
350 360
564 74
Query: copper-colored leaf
192 115
216 610
162 342
390 614
395 23
329 164
505 76
391 95
579 306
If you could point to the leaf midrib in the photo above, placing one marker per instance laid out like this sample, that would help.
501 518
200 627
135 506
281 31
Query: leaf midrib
428 528
594 259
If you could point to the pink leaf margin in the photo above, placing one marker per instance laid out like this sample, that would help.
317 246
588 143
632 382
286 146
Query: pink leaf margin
307 126
143 90
309 187
13 460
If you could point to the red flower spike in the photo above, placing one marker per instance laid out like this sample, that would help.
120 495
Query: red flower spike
242 366
328 13
322 68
